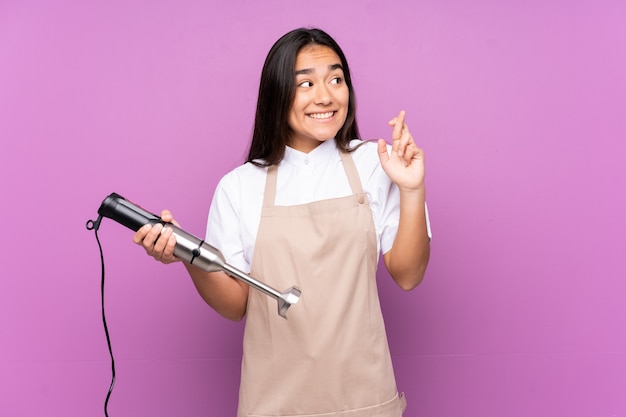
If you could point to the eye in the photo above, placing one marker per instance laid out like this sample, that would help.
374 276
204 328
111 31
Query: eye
336 80
305 84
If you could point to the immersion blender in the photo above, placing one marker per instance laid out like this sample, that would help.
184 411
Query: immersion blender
189 247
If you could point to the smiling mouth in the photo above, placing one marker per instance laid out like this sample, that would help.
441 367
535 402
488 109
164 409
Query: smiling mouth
322 116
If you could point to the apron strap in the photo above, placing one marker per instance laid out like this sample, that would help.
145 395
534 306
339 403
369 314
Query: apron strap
270 186
351 172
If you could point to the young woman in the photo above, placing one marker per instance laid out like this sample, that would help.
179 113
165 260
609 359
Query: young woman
313 206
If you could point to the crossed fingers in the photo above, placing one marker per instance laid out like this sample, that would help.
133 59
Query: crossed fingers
402 144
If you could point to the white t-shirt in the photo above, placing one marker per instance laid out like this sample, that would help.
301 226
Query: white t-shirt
302 178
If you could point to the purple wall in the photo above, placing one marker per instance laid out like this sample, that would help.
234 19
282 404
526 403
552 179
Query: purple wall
521 109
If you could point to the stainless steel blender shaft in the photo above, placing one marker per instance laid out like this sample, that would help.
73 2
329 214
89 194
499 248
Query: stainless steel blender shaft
199 253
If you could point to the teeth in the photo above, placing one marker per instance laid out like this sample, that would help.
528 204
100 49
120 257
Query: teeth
326 115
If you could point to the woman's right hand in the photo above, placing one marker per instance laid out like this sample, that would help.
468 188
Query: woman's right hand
157 242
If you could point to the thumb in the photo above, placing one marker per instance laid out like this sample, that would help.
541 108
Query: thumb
383 154
167 216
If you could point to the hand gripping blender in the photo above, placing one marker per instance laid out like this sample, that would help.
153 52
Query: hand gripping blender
189 247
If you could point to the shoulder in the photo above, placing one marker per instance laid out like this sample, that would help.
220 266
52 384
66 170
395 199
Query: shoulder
245 175
366 151
239 188
367 161
364 147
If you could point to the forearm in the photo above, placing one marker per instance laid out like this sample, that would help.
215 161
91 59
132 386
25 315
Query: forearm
226 295
408 258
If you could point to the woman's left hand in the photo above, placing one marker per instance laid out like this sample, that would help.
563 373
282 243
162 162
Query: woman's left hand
405 165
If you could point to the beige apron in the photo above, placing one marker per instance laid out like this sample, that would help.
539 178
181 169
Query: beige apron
330 357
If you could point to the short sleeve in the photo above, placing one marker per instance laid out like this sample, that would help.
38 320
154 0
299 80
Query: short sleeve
224 222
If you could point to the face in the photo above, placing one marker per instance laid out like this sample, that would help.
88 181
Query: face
320 106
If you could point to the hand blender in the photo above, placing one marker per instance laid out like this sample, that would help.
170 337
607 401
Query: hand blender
189 247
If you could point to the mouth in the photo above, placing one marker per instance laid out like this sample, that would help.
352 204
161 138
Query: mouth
322 116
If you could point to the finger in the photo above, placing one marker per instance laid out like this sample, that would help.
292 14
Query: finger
398 125
151 237
414 154
410 153
141 233
167 216
406 139
382 151
168 252
162 241
396 134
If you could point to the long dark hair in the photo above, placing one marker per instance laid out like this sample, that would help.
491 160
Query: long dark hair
277 91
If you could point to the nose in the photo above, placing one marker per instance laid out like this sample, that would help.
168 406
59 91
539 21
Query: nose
323 95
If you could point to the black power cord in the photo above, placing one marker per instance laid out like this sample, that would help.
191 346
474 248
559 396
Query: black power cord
95 225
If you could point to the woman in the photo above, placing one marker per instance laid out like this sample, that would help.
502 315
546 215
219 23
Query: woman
313 206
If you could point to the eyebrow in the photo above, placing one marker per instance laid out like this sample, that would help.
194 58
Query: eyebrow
311 70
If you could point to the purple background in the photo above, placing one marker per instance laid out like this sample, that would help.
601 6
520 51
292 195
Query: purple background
521 110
